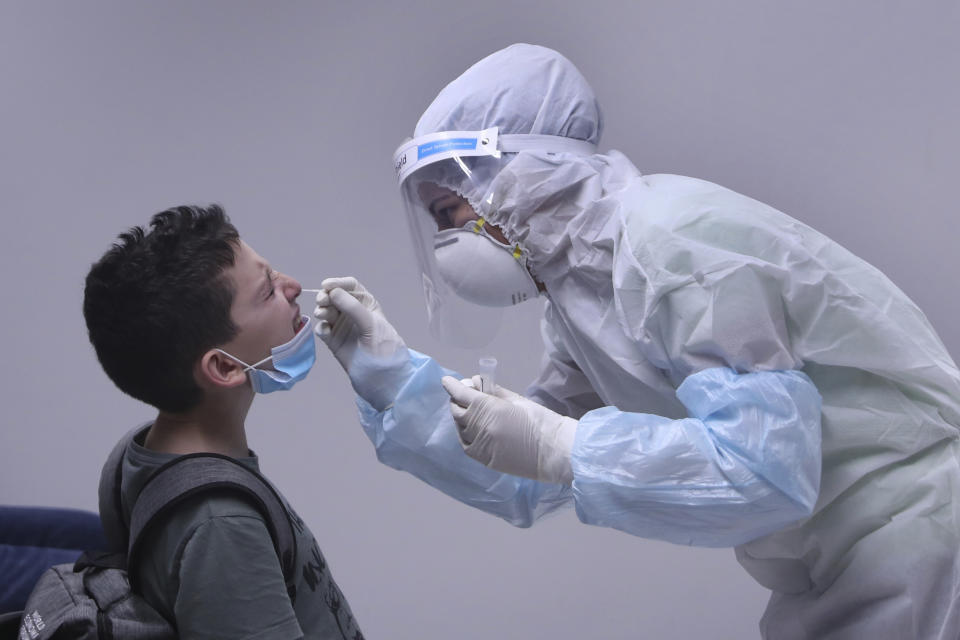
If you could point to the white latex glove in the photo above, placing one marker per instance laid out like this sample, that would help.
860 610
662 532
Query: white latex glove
352 325
510 433
349 316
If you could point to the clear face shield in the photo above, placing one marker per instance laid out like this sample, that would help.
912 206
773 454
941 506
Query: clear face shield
469 270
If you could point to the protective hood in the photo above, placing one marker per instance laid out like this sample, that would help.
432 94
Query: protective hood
539 119
523 89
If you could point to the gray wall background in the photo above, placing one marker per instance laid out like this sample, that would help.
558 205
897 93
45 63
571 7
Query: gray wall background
843 114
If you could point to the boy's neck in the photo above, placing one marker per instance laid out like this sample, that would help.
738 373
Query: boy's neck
208 428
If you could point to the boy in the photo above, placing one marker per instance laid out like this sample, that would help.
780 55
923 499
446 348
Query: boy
175 315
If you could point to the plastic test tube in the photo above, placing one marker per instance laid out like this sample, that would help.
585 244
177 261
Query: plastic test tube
488 374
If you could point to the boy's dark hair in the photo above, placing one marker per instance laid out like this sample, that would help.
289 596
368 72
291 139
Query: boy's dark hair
157 300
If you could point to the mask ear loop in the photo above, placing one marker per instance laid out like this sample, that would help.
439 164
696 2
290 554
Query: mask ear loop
248 366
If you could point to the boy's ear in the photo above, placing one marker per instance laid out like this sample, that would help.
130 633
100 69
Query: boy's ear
218 370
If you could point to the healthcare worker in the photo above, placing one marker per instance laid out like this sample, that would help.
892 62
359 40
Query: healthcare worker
716 373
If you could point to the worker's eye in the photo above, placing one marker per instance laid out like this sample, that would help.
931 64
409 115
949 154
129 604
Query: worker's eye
442 216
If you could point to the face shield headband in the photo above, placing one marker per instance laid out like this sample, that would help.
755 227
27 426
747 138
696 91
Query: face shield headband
418 152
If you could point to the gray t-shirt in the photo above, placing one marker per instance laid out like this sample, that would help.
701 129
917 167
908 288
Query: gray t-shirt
212 568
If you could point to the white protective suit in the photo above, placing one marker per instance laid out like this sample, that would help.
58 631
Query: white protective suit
689 329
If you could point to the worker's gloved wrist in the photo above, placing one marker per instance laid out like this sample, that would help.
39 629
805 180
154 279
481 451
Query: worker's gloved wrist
377 378
556 445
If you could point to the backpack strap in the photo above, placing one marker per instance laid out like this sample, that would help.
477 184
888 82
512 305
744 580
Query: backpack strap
188 475
10 625
111 508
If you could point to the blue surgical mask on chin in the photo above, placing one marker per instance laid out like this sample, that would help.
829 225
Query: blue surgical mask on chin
292 361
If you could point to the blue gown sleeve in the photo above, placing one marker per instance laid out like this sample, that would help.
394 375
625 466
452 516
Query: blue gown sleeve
416 434
745 463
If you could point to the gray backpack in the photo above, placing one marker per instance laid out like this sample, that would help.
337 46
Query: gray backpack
93 599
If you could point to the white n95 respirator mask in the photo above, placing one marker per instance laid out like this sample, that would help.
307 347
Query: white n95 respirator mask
481 269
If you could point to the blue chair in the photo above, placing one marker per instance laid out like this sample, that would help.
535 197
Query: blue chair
33 539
